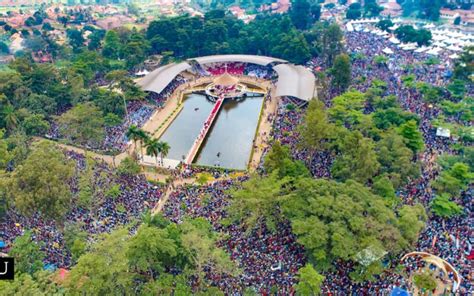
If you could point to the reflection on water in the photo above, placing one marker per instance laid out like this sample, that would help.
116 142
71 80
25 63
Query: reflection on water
231 135
182 132
229 142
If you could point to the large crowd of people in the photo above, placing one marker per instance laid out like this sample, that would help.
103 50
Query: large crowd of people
103 215
268 259
272 259
115 139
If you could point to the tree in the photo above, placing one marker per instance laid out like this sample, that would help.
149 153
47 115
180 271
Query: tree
40 184
445 208
425 281
309 281
357 159
316 129
457 21
89 275
395 158
300 14
129 166
112 45
354 11
5 155
83 124
133 133
278 160
164 150
151 251
257 201
371 8
153 148
334 220
385 24
27 254
341 71
75 38
35 124
9 116
413 137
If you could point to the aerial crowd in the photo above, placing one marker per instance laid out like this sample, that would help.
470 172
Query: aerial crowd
270 259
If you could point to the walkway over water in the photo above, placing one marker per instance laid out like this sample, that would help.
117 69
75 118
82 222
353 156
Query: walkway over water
202 135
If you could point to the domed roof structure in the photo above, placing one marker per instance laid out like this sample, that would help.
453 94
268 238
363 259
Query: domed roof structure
226 80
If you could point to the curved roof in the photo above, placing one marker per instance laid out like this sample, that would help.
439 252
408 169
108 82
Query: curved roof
295 81
157 80
243 58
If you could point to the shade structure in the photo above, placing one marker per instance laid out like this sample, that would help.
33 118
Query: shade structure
226 80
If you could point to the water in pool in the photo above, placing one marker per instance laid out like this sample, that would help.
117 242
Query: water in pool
228 143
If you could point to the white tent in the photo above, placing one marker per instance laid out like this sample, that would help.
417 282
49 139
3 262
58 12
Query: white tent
454 48
443 132
349 27
387 50
454 56
422 49
394 40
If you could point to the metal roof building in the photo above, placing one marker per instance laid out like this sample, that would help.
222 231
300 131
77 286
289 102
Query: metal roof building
294 81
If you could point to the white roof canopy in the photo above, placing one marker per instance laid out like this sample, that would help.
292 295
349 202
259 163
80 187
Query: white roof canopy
158 79
295 81
243 58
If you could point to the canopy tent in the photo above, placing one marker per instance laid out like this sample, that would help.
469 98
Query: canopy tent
387 50
454 48
454 56
349 27
226 80
422 49
443 132
394 40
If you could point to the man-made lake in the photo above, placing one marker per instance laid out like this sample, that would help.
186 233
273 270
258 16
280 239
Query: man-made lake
228 143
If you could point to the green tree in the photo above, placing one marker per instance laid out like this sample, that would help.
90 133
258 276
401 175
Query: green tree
35 125
413 137
153 148
357 160
151 251
89 275
424 281
27 254
445 208
112 45
257 201
309 281
341 71
300 14
316 129
39 184
83 124
164 149
129 166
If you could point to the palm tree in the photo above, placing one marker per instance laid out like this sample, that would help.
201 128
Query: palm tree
9 117
133 133
153 148
143 137
165 149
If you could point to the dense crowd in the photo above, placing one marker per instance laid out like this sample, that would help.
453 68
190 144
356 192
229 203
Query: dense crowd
266 258
103 214
138 113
